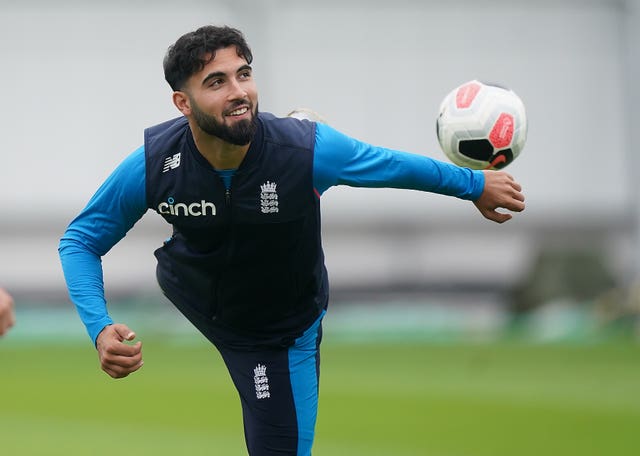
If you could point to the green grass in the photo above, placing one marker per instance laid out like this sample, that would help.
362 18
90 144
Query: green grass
376 399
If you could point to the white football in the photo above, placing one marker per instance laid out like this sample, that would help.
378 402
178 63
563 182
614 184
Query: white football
482 126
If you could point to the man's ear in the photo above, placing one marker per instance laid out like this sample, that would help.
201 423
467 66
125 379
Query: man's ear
182 102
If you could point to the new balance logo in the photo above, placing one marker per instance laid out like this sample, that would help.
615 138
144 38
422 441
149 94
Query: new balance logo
261 382
171 162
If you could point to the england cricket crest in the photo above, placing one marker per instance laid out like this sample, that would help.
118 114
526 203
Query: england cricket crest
261 382
268 198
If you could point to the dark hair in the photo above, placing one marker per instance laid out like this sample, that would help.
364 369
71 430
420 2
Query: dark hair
193 50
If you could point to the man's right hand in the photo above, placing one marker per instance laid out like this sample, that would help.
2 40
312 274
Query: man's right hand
117 358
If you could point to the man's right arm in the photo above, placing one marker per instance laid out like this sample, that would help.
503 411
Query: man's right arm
115 207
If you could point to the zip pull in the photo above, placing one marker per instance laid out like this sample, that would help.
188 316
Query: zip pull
226 175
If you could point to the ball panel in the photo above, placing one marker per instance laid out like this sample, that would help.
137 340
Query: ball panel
466 94
501 134
477 149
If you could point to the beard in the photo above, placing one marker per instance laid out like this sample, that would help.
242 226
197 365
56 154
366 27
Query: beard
239 134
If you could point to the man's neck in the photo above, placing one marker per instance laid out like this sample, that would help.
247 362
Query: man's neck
220 154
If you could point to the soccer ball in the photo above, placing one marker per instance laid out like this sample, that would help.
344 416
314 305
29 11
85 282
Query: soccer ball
482 126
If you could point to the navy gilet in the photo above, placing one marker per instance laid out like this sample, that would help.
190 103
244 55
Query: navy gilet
244 265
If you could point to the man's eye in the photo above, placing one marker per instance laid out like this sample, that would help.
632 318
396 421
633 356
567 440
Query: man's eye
245 74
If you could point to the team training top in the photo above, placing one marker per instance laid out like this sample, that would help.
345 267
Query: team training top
334 159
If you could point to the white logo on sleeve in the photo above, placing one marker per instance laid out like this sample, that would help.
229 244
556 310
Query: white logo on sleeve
268 198
261 381
171 162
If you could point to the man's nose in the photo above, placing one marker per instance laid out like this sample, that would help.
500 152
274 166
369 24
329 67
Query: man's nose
237 90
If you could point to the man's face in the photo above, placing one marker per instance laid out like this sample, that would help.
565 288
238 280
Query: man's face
223 98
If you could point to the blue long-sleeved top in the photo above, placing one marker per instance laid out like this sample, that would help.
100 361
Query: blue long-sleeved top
338 160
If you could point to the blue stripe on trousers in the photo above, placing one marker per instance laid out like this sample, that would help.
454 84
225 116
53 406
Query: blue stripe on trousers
304 371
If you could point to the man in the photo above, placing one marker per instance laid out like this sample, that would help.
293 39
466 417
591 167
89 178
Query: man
7 316
245 263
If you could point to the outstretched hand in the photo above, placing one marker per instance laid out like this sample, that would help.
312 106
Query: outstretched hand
501 191
117 358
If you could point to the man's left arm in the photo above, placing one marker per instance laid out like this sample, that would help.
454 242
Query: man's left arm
342 160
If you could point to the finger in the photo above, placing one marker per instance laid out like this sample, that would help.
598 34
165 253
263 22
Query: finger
123 361
121 366
501 217
123 332
120 371
513 206
516 186
518 207
498 217
122 349
116 371
121 354
519 196
516 204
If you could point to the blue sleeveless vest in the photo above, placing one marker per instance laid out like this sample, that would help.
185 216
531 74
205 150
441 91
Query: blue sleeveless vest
245 266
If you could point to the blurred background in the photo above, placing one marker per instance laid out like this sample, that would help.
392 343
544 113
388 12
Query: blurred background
83 79
520 337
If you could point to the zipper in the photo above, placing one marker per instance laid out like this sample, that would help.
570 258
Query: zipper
227 202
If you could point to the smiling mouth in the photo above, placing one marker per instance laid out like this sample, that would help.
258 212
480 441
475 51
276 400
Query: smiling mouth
238 111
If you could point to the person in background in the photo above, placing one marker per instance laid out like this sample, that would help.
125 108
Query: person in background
7 314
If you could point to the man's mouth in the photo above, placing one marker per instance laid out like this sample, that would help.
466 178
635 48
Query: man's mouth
238 111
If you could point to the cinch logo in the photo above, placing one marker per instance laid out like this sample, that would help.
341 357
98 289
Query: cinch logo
186 209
